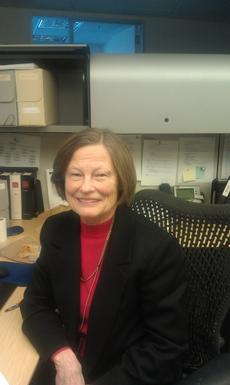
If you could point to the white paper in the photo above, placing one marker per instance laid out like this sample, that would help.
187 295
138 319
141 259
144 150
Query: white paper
3 227
159 163
3 380
53 197
196 155
18 150
225 170
134 145
226 191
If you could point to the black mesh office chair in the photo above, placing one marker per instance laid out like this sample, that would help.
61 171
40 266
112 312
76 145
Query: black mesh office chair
203 230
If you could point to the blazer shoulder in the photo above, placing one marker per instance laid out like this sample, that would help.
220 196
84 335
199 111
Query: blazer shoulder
61 217
149 233
59 224
146 225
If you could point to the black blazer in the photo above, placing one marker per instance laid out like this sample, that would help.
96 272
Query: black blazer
137 330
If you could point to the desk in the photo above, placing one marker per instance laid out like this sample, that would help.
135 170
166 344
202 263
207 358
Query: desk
31 227
18 357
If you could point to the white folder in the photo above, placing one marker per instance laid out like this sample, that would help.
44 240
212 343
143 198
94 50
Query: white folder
15 196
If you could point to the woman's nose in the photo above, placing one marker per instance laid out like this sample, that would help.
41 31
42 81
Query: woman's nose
87 184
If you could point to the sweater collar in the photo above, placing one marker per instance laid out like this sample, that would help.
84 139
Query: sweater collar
95 231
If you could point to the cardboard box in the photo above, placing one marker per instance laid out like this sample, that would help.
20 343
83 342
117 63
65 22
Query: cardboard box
36 97
8 101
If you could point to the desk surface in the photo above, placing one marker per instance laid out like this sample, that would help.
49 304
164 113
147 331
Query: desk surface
31 227
18 358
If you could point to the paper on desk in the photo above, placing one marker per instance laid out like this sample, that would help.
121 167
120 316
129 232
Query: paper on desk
3 380
24 250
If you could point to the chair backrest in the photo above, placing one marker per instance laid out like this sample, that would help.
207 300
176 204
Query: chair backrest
203 231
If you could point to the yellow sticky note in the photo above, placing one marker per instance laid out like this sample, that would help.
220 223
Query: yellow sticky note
189 174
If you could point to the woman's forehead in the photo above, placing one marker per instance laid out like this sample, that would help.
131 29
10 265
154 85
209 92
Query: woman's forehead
95 153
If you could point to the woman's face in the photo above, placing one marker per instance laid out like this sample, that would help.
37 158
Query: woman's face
91 185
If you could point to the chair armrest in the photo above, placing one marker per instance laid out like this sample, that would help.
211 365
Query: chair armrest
215 372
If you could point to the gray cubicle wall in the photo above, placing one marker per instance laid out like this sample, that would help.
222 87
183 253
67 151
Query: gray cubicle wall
50 143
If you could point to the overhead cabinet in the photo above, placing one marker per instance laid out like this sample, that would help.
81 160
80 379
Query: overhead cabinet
137 93
47 85
160 93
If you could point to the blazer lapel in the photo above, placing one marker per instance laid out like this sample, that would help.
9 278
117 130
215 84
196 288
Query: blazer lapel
111 284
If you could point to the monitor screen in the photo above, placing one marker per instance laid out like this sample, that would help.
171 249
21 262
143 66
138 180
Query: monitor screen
186 193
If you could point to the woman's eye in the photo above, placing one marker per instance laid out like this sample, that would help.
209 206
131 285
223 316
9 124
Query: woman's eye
101 175
76 175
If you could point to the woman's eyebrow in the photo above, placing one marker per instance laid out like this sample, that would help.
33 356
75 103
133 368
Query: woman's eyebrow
103 170
73 168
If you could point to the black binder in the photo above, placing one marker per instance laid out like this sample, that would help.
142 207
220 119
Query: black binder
28 195
218 187
31 191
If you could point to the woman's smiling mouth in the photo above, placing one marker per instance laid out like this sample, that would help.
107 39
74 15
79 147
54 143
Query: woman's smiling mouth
87 201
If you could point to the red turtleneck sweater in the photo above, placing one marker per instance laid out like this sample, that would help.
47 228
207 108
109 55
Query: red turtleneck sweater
93 238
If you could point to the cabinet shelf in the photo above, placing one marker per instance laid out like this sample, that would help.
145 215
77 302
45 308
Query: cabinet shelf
69 65
54 128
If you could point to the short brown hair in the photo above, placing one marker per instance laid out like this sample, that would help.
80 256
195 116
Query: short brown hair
118 151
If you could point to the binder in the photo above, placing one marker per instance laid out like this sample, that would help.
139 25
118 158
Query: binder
36 97
28 195
4 199
5 176
218 194
15 196
8 100
38 197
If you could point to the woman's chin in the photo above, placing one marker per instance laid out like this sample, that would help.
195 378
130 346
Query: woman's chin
88 215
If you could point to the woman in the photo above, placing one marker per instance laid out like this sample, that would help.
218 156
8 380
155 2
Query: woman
105 305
